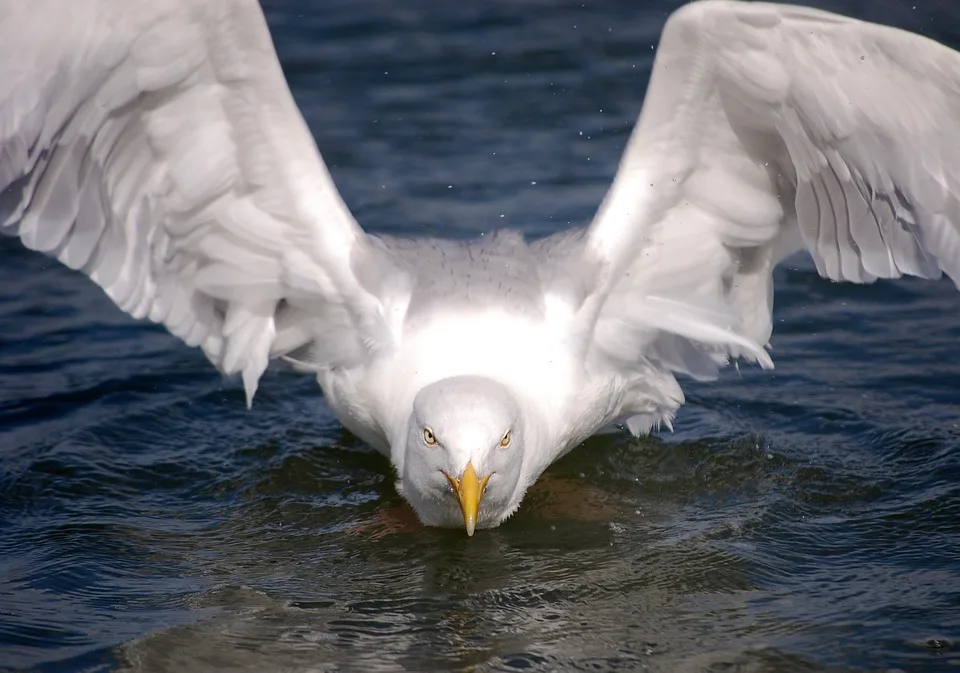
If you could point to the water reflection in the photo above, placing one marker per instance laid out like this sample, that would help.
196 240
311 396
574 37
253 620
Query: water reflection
578 586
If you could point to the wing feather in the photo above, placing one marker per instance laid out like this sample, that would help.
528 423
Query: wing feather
768 129
156 148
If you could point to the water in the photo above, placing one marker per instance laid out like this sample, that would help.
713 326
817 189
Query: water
805 519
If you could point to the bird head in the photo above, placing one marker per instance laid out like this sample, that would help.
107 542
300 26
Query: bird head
463 454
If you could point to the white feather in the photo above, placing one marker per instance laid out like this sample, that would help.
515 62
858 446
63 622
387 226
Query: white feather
155 146
767 128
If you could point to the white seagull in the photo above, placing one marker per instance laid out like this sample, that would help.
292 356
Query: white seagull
155 147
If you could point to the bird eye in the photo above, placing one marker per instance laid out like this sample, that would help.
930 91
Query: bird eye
505 440
429 437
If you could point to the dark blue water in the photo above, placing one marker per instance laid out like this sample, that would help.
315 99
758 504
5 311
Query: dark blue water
805 519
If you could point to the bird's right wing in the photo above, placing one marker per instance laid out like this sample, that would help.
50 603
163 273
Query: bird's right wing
155 147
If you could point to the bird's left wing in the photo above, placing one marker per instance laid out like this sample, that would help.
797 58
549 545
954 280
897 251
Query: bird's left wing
769 129
155 147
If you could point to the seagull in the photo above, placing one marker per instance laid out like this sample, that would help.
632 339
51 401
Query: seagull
155 148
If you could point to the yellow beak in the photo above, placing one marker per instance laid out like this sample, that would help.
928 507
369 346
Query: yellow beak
469 490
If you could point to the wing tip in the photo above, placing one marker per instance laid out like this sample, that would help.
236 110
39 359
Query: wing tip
251 381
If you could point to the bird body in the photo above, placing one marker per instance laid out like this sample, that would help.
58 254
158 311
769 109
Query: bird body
156 148
456 323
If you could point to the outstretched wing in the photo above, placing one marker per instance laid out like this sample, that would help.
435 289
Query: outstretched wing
155 147
768 129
